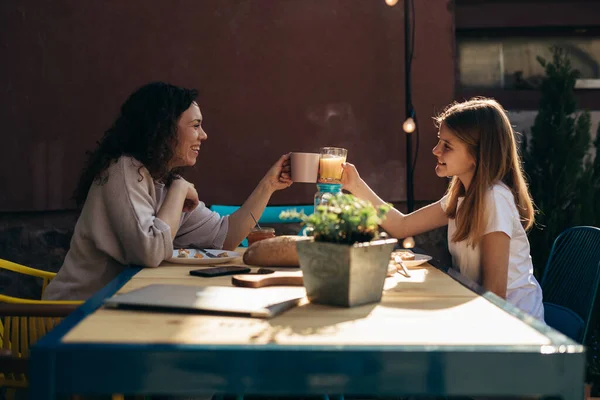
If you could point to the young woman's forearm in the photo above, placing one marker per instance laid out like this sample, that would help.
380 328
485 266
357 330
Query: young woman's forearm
403 225
394 221
363 191
241 222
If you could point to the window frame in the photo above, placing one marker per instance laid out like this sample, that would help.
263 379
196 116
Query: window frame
533 18
586 90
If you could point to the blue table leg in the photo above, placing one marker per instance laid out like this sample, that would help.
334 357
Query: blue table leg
41 371
573 392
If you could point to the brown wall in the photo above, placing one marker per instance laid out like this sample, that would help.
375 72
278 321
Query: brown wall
505 14
269 74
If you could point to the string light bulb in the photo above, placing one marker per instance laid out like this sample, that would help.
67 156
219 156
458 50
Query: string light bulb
409 125
391 3
408 243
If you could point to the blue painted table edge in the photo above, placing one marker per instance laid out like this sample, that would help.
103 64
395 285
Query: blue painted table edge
86 368
43 352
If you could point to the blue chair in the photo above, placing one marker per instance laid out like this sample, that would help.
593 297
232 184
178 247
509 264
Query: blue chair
570 281
269 216
564 320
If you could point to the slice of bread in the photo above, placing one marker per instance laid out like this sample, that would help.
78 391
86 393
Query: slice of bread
404 255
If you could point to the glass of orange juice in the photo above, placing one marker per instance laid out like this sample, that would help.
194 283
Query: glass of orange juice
330 164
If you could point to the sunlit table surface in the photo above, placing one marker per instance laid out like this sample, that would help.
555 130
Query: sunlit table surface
433 333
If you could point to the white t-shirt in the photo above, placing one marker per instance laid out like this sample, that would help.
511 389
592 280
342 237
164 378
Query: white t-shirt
523 290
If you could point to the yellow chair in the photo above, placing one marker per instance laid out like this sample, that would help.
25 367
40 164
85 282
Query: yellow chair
22 323
44 275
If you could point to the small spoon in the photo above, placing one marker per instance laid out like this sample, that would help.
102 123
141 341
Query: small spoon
255 221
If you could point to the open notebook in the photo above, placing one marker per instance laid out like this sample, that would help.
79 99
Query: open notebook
262 303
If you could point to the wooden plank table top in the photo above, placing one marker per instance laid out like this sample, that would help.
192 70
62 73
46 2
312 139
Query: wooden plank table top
428 308
429 336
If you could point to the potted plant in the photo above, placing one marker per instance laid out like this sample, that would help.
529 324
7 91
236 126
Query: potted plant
346 262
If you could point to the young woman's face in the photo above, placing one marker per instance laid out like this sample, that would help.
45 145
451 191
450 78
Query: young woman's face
189 137
453 157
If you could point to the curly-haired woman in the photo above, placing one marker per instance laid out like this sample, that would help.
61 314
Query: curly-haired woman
136 207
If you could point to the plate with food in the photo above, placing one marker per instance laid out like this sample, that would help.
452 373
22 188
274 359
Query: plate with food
409 259
204 256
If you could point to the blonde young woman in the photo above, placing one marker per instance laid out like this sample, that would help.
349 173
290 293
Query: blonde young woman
487 206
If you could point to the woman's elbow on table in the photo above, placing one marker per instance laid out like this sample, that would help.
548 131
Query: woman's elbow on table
153 262
146 260
150 255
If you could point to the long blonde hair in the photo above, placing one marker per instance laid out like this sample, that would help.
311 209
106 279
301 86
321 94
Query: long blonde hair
482 124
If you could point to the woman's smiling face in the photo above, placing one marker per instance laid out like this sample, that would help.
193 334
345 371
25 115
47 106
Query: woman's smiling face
453 157
190 135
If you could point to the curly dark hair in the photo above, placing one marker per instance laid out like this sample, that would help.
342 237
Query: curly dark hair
146 129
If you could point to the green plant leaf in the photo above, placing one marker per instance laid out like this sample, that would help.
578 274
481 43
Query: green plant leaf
345 219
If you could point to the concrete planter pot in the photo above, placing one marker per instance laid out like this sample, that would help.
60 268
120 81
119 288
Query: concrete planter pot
342 275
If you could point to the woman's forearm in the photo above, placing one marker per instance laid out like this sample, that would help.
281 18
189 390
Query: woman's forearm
394 220
364 192
401 225
171 209
241 222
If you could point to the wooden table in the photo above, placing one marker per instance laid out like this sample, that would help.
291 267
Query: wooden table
430 335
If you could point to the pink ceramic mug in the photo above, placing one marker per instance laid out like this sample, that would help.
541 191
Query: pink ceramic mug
305 167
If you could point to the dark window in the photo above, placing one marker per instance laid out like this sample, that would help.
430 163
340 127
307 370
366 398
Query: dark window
511 62
502 63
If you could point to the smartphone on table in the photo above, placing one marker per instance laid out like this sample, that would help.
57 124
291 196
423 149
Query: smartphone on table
219 271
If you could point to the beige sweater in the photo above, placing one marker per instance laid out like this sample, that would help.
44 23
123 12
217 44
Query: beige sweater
118 227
